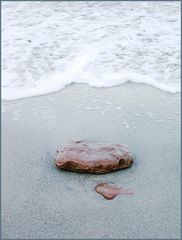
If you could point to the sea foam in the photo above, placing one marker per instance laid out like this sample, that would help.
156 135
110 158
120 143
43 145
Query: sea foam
48 46
76 74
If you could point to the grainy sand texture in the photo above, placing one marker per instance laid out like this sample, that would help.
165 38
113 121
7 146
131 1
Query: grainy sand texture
40 201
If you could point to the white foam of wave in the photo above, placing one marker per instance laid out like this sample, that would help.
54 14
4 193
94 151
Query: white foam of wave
76 73
136 42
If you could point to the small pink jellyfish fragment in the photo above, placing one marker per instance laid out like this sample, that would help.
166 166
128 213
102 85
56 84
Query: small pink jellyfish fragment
110 191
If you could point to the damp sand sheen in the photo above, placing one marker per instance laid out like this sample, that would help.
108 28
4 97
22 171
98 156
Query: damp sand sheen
105 77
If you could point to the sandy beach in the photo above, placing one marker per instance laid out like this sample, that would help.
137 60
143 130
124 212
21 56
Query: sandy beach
39 201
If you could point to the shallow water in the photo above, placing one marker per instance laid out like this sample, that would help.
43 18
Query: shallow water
48 45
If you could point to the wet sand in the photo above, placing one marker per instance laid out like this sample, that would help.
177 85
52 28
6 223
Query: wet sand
39 201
